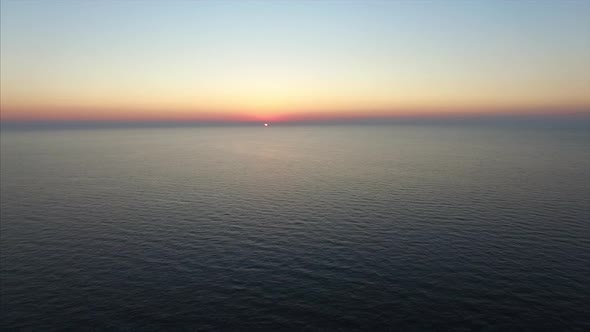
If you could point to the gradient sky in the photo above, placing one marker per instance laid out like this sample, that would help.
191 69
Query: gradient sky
198 60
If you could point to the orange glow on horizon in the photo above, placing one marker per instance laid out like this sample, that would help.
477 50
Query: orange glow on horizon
155 115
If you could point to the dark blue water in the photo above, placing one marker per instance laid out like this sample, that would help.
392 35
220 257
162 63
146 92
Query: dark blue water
320 228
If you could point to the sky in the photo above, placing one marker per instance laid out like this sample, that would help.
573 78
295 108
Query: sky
291 60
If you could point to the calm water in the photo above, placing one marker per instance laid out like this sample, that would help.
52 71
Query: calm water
366 227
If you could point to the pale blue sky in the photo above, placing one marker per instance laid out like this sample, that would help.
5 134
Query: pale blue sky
272 55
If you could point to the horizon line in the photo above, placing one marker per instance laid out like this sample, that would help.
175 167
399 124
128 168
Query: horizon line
580 117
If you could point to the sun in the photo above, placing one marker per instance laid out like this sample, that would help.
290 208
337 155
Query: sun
266 124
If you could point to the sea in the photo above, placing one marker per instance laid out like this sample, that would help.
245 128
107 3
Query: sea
305 227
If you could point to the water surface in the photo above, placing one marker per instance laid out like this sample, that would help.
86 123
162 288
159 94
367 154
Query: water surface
304 227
